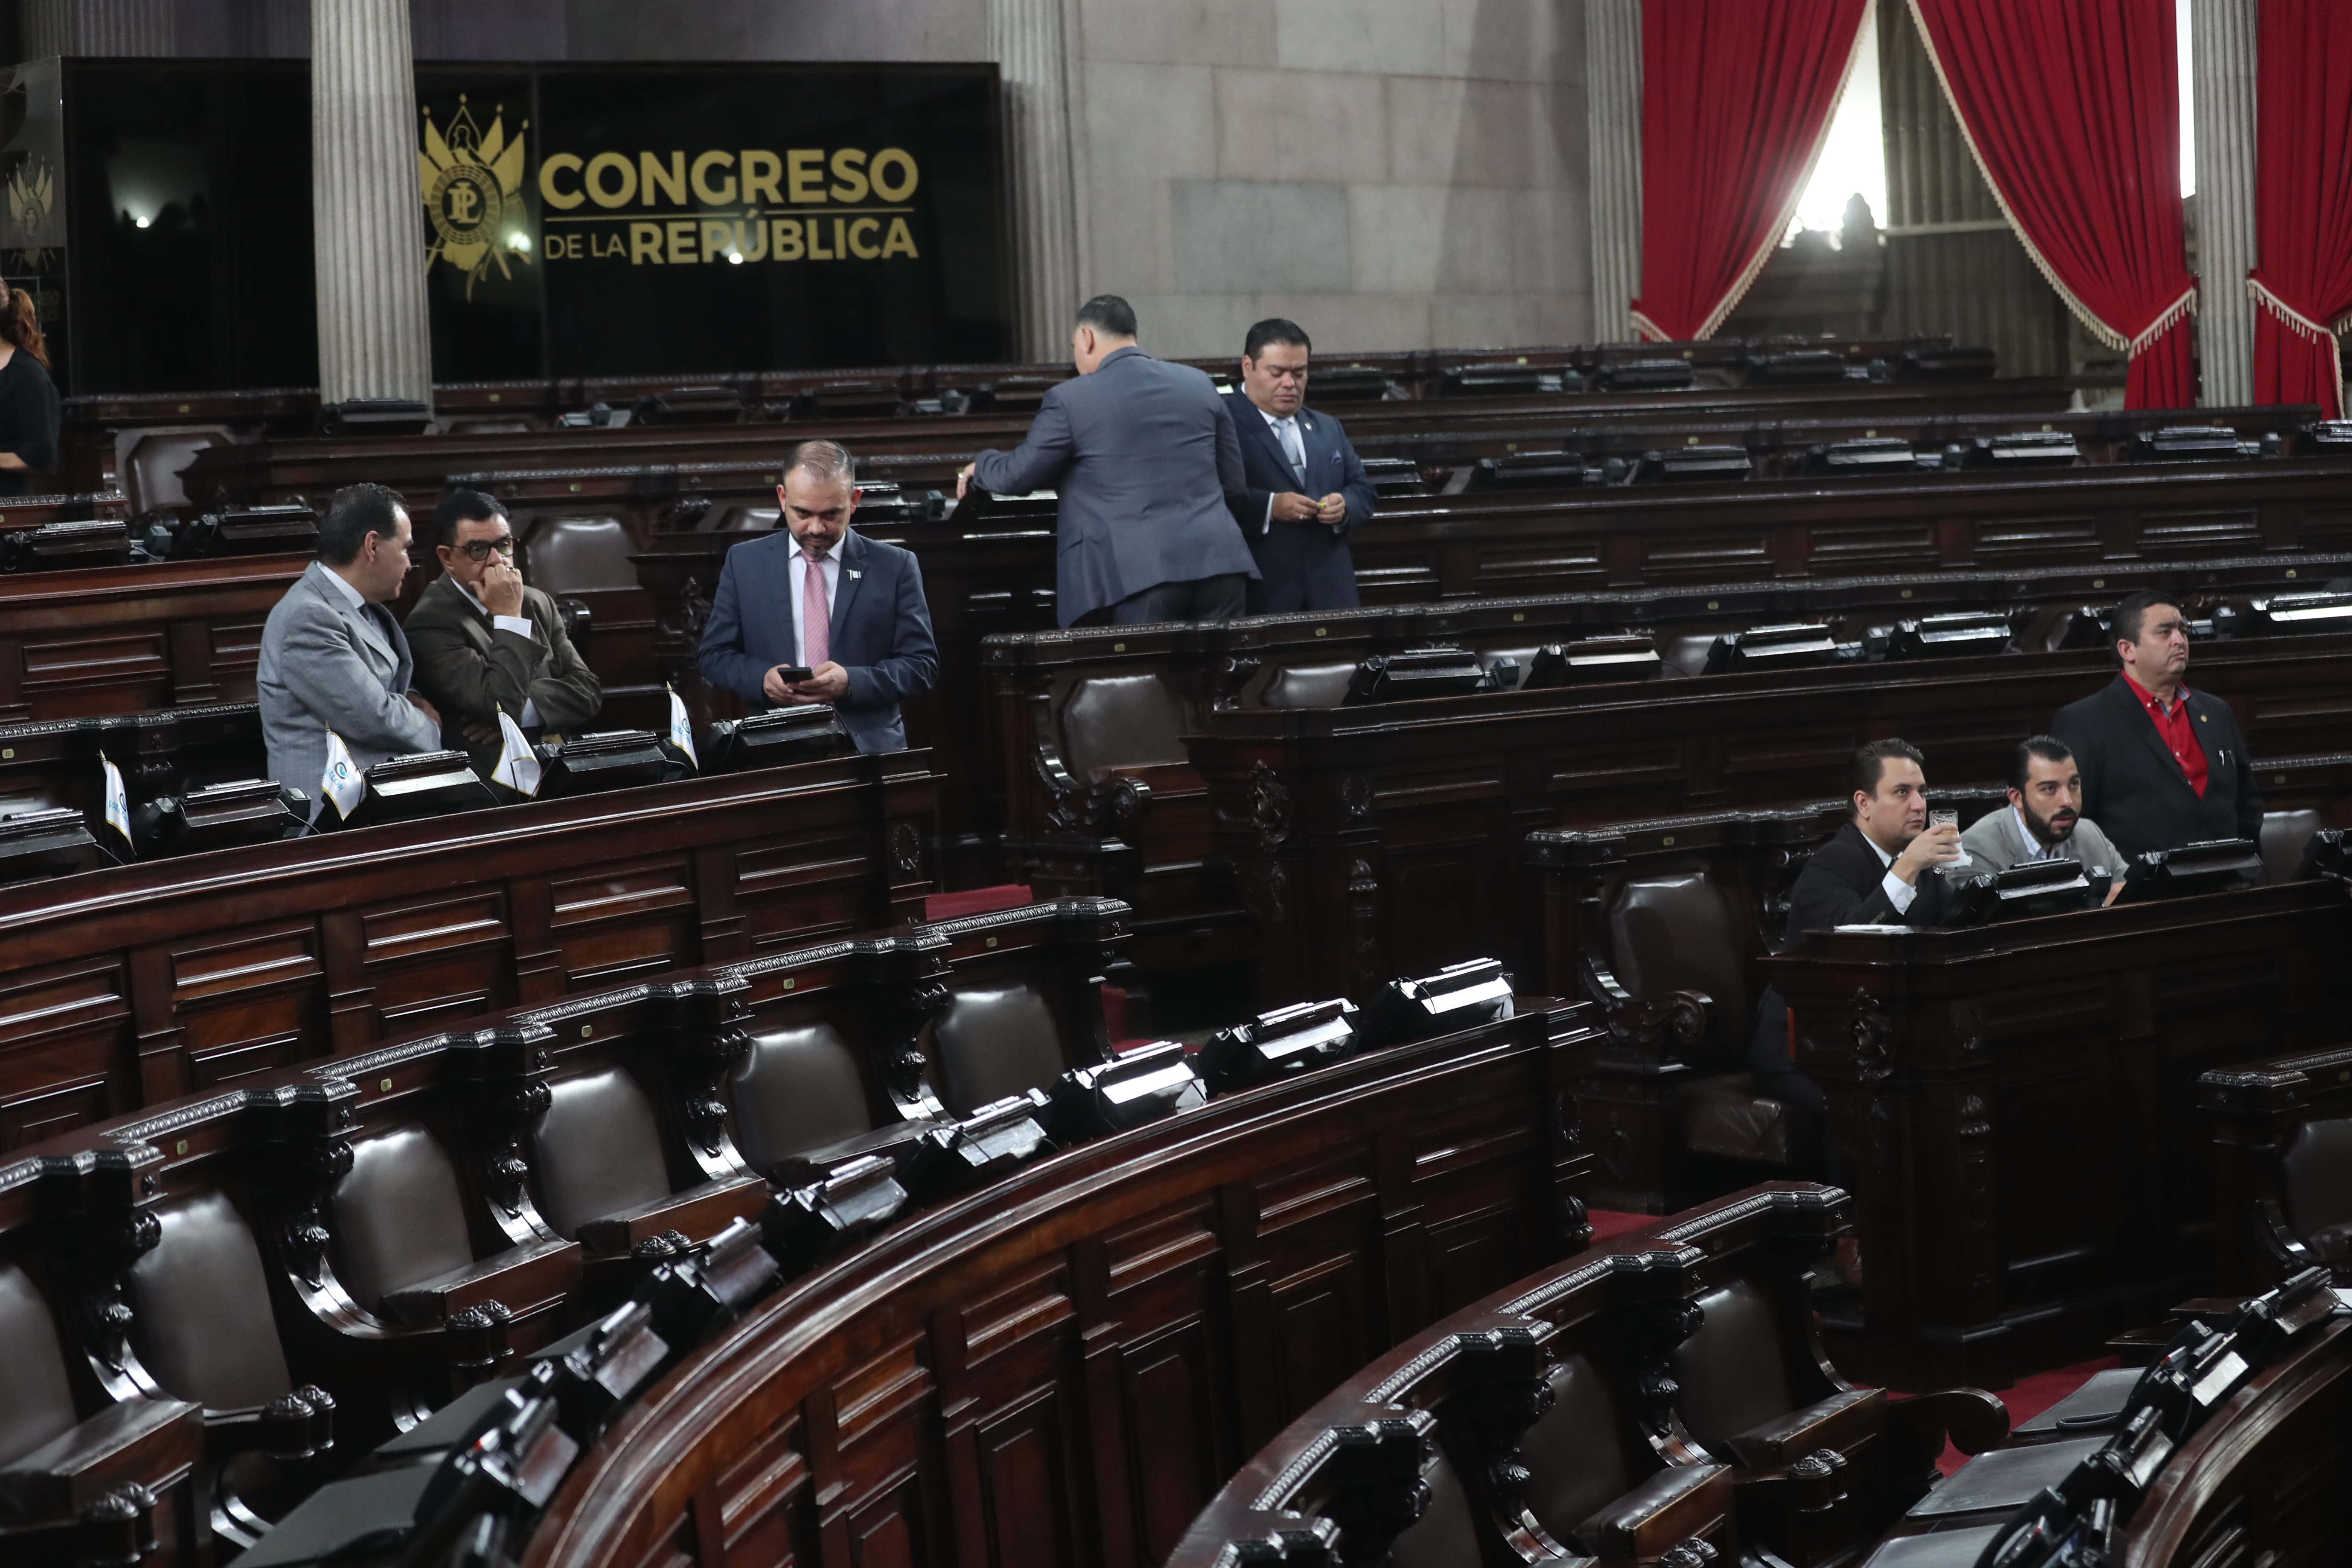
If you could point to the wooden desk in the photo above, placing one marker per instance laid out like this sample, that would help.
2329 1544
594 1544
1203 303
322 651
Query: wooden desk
2020 1102
1370 840
133 984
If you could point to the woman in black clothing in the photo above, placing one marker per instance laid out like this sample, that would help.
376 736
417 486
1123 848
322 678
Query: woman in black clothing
28 399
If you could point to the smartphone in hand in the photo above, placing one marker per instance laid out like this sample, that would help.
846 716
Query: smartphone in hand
793 674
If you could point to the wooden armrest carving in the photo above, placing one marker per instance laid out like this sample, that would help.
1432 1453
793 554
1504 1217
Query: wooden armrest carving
1661 1026
293 1426
1115 807
152 1442
1678 1503
696 1213
521 1278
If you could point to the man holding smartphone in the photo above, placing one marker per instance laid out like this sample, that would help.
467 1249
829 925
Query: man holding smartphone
818 612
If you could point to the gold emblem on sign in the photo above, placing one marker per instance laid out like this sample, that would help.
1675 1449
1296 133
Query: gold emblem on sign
469 178
32 196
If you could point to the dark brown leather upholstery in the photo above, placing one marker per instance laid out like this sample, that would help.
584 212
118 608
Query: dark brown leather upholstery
1121 721
993 1041
2285 834
1675 932
1724 1115
794 1091
201 1311
1305 686
36 1401
1730 1370
572 554
150 463
398 1218
1575 1459
597 1150
2315 1176
1445 1536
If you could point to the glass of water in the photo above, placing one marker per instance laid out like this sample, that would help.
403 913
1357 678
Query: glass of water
1947 819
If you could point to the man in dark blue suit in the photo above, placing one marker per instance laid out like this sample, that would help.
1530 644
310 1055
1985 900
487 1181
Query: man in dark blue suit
1306 487
813 597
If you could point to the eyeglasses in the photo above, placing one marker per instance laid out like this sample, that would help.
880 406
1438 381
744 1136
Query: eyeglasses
479 549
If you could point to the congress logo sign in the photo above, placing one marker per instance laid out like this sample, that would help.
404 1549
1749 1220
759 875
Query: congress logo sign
730 206
470 179
32 197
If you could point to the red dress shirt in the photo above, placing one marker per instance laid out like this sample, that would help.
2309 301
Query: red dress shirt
2178 732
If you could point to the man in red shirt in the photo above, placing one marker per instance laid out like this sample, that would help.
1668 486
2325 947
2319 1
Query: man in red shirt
2163 765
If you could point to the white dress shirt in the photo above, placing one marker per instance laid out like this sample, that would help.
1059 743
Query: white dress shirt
518 625
1899 892
1293 447
830 564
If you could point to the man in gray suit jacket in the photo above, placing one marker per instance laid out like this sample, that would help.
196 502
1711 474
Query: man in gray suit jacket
332 658
1148 468
2044 820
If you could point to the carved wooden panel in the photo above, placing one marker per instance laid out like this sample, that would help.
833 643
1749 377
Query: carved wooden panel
431 961
790 892
627 919
70 677
249 1000
2232 532
2037 541
65 1033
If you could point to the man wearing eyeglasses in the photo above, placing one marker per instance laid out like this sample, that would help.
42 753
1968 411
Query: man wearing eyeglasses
1306 487
485 642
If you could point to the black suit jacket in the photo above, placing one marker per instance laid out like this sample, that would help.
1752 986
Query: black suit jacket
1843 884
2135 791
1301 565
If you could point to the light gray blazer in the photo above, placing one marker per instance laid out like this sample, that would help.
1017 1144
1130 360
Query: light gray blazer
324 664
1996 843
1148 469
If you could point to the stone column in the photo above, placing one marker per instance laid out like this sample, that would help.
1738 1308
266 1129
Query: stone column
2224 67
369 217
1953 265
101 27
1612 96
1030 40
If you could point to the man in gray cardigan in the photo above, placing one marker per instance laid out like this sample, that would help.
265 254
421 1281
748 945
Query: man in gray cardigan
1147 467
332 658
2044 820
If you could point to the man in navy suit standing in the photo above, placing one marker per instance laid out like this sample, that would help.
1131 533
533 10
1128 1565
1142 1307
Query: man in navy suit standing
817 597
1305 487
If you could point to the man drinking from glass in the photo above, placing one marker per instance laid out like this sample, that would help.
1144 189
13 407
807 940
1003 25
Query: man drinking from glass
485 644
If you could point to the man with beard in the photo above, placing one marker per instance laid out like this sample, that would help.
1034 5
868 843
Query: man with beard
2044 820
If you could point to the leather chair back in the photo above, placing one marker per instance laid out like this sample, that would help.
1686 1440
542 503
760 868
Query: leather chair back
2285 836
398 1218
1576 1464
200 1305
582 554
1121 721
36 1400
596 1149
1731 1371
2315 1175
796 1089
1676 932
993 1041
1685 654
1444 1537
1305 685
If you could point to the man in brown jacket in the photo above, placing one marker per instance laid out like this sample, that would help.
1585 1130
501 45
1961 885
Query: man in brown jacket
485 643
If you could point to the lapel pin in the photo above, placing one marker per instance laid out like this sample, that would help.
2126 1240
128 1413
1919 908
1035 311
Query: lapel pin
855 574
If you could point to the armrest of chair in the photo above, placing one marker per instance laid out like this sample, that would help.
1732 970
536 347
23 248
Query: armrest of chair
1679 1503
152 1442
1653 1032
1113 807
698 1213
1842 1422
1973 1419
292 1428
520 1278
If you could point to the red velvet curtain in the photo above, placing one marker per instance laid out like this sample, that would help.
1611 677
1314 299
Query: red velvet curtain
2073 109
1736 99
2302 200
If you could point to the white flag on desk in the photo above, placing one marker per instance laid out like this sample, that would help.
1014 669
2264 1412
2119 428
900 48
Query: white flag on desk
517 769
342 783
681 729
117 799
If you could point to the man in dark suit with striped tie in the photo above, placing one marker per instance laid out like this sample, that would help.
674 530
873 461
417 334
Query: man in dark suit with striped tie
1307 490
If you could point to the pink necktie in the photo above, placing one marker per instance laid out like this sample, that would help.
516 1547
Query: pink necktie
816 620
